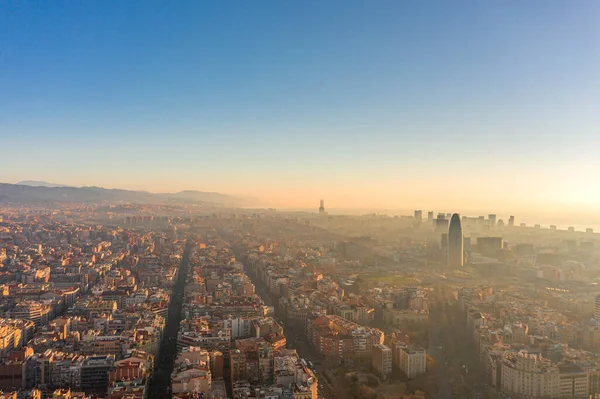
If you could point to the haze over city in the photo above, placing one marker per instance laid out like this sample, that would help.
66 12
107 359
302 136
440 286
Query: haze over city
340 199
393 105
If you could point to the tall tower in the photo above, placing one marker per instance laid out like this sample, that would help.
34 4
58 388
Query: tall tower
455 242
430 217
322 207
419 216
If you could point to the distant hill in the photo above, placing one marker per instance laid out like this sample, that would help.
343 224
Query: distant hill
35 183
30 191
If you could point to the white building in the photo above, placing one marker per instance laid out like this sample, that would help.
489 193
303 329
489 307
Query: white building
573 381
530 375
412 359
241 327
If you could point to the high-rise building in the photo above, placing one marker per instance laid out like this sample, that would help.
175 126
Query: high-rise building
441 223
492 219
419 215
455 242
511 221
430 217
322 207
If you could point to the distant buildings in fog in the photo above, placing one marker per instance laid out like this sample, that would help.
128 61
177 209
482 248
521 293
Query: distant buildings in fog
441 223
419 215
322 207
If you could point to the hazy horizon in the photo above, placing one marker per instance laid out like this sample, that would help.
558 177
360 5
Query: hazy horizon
581 219
404 104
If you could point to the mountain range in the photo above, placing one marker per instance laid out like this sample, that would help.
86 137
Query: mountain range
36 183
39 191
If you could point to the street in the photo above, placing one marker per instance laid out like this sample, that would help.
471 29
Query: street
161 379
297 340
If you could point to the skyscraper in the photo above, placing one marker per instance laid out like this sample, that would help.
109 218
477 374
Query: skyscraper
455 242
441 223
511 221
418 215
492 218
322 207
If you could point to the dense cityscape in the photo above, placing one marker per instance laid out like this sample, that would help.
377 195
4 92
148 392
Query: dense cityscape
153 301
340 199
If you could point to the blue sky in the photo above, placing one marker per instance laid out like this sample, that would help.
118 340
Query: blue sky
364 103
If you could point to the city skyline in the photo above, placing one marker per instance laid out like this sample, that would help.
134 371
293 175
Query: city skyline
398 106
578 219
299 200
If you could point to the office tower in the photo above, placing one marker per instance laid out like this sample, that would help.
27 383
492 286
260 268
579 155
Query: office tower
481 220
500 223
419 215
441 223
430 217
322 207
511 221
492 218
597 307
455 242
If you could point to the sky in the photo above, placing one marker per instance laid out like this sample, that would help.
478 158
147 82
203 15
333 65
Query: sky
367 104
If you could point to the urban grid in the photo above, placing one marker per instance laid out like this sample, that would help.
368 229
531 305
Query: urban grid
151 301
316 199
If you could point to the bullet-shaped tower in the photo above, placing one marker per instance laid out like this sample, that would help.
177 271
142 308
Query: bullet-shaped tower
456 250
